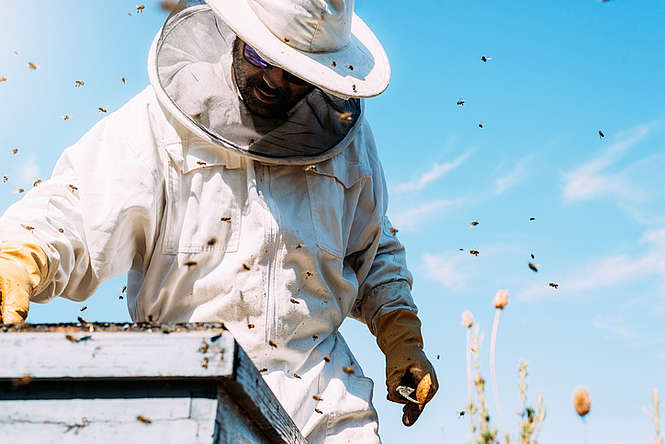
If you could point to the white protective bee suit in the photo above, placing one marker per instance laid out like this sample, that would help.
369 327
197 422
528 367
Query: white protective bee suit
284 228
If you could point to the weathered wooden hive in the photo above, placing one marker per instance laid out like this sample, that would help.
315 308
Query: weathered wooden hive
127 383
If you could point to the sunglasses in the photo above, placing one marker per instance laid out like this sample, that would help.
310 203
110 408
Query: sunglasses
255 59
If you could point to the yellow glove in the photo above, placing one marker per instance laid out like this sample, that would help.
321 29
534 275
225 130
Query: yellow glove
399 338
23 267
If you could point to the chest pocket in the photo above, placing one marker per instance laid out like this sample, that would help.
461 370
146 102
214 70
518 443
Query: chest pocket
203 204
334 188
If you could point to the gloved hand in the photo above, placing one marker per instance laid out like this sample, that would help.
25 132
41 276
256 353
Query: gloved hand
23 267
398 335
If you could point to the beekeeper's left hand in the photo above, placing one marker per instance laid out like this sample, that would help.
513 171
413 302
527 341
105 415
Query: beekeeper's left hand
398 335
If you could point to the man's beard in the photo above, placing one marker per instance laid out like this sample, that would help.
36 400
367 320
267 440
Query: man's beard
248 87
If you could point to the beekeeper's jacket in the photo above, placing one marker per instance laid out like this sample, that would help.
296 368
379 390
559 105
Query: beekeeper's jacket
280 250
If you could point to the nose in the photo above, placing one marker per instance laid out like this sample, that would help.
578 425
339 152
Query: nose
274 77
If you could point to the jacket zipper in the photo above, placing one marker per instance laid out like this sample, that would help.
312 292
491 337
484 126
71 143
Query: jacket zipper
272 256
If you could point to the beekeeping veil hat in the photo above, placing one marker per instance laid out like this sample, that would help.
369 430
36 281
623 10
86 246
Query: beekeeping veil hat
320 41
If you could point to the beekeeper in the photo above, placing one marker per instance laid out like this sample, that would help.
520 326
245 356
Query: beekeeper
243 186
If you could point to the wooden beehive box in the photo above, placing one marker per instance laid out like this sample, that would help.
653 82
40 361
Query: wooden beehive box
126 383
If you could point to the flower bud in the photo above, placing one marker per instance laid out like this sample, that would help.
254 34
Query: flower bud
581 401
501 299
467 319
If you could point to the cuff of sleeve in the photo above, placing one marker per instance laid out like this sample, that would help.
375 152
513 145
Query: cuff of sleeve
384 299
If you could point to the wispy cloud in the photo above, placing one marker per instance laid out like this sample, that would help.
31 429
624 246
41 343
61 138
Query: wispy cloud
614 324
610 271
592 179
409 218
514 177
445 269
436 171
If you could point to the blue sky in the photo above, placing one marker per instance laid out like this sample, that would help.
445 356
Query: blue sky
559 72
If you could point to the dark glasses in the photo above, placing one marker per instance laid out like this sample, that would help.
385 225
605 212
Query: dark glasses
252 57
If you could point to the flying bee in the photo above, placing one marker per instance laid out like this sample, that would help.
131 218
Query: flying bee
140 8
36 182
66 117
318 411
308 274
393 231
297 376
346 118
310 168
122 79
84 308
299 245
553 285
246 267
533 267
474 252
190 263
32 66
225 219
263 370
485 59
71 338
101 109
14 151
315 336
78 83
212 242
124 289
72 187
317 398
461 413
326 358
480 125
532 256
601 134
20 191
474 223
250 326
460 102
202 163
532 219
60 230
23 380
333 63
350 67
348 370
168 5
272 344
143 419
3 79
204 363
295 301
5 179
28 227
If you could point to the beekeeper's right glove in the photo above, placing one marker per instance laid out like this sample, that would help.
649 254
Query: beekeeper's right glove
23 267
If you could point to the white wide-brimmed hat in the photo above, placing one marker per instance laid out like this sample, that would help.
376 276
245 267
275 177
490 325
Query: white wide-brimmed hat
321 41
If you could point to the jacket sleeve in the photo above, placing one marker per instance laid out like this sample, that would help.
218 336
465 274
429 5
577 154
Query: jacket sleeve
98 215
385 281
